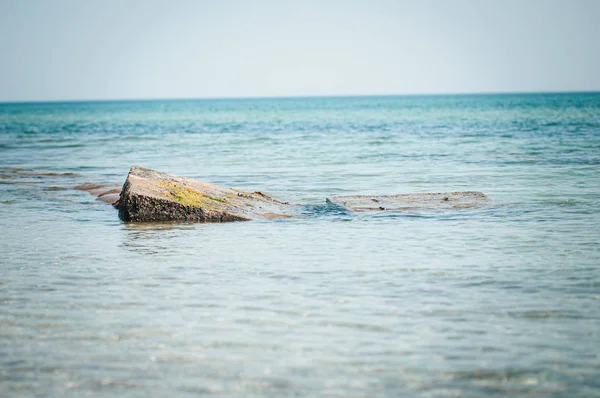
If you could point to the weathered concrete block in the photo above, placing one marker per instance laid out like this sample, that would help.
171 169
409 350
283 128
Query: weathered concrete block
149 195
412 201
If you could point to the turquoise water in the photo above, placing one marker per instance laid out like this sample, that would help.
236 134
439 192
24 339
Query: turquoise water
496 301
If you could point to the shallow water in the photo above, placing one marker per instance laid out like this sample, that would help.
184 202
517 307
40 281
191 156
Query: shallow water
496 301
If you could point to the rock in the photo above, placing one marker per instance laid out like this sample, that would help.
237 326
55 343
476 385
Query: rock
110 198
87 187
13 172
17 172
104 193
412 201
149 195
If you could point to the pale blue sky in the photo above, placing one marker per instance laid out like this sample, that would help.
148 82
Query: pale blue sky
117 49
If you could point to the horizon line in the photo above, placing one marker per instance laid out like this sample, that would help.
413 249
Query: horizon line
308 96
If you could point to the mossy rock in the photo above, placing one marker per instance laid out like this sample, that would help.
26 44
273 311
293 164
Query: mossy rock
149 195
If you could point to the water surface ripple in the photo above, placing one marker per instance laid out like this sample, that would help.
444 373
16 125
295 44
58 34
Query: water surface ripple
497 301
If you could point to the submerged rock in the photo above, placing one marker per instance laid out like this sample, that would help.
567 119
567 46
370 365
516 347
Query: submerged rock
153 196
12 173
411 201
108 194
111 198
149 195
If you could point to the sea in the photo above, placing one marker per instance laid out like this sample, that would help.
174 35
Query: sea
501 300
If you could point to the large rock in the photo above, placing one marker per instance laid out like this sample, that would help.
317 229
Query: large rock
411 201
149 195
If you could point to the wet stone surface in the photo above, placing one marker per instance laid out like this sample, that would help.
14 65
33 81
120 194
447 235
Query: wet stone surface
150 195
413 201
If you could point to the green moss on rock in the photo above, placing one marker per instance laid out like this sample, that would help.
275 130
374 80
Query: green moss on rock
188 196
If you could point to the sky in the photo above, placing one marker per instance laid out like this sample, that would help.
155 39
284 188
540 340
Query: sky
143 49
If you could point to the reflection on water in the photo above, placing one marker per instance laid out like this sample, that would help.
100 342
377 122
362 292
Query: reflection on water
155 226
151 238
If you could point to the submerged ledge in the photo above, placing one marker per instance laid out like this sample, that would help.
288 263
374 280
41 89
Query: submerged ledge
411 201
154 196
